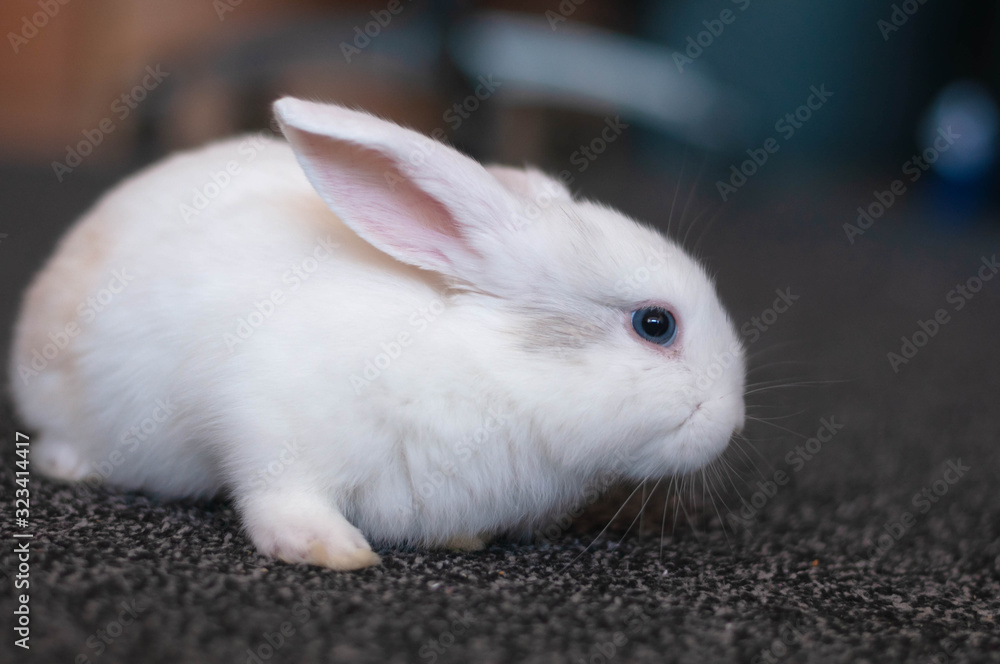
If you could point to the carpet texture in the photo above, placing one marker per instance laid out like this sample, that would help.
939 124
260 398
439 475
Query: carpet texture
870 530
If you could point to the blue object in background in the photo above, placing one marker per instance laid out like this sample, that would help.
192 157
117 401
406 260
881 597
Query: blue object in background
966 112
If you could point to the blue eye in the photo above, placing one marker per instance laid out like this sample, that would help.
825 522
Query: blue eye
655 324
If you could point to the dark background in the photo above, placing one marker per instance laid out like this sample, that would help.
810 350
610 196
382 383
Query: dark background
823 570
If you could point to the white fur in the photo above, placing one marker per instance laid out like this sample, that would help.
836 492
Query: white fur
522 383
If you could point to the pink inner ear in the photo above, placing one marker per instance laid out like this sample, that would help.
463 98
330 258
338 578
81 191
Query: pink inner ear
368 191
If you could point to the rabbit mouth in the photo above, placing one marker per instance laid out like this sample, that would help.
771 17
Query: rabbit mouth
703 436
691 415
687 420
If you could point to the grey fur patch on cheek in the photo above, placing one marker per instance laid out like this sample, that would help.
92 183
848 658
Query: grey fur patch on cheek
561 334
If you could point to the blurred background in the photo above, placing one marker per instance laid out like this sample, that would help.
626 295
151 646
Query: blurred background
773 117
120 82
842 153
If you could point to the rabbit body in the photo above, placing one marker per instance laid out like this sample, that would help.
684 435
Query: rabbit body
212 324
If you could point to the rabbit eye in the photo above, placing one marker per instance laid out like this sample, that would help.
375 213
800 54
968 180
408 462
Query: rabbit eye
655 324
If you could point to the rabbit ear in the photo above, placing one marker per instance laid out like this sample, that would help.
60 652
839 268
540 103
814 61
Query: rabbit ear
412 197
531 183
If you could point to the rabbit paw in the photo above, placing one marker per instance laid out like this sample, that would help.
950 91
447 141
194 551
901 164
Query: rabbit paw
298 529
59 458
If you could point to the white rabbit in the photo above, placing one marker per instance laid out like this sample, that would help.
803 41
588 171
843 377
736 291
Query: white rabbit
427 352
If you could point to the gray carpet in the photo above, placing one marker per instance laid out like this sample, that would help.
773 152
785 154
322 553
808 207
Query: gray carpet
837 555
